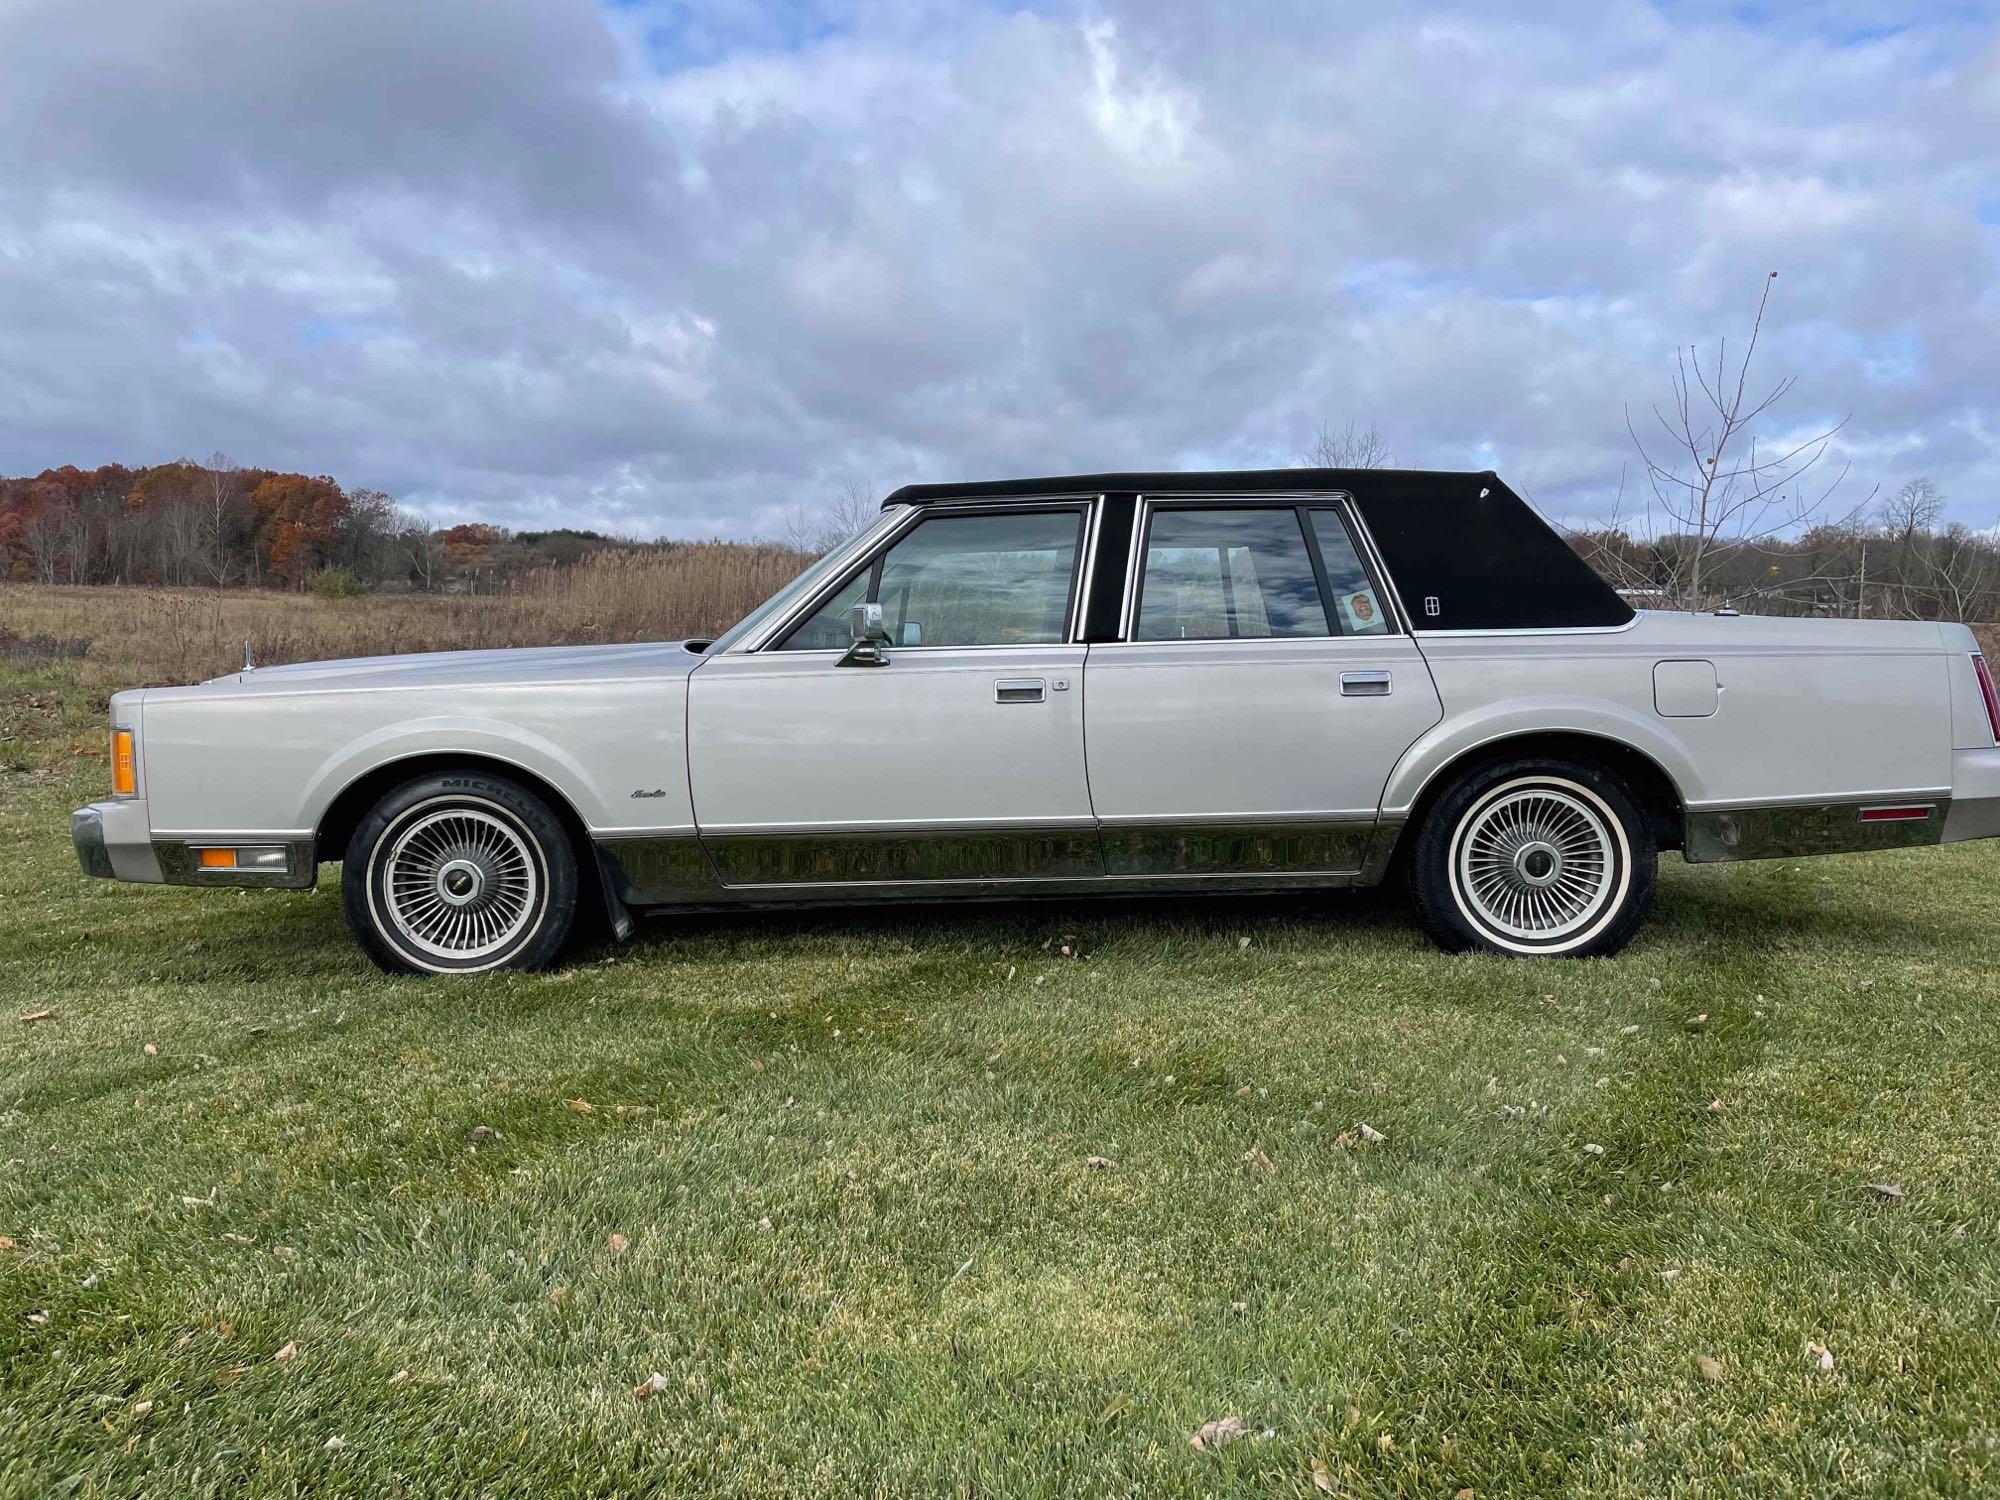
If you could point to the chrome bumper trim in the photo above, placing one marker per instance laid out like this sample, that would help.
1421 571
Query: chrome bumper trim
1795 830
178 867
86 831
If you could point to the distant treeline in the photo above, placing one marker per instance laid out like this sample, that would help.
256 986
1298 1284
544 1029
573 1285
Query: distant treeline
216 525
1855 571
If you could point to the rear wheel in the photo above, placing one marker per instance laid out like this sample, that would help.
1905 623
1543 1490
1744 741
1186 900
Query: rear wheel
1534 858
460 874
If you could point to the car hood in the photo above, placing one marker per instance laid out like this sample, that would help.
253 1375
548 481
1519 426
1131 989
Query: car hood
448 668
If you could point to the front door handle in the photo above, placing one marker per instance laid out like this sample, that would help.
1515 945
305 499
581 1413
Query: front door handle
1364 684
1019 690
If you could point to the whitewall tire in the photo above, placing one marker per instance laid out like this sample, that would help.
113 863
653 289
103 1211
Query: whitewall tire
1534 859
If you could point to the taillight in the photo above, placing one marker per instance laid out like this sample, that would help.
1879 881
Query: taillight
1985 676
124 777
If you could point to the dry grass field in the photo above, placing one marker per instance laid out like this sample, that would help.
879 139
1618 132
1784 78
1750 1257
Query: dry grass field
1720 1216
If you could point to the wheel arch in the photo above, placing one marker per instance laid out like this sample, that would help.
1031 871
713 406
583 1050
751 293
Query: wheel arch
336 825
1651 784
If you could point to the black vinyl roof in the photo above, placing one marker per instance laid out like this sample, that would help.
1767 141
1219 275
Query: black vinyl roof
1197 482
1465 552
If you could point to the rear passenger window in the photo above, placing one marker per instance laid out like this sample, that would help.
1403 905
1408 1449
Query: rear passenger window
1234 573
1357 607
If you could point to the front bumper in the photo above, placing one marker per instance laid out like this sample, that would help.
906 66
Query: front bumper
114 842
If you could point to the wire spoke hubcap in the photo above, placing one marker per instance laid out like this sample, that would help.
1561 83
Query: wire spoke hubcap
1536 864
460 883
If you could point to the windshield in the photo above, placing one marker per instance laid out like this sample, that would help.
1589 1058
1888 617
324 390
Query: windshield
802 585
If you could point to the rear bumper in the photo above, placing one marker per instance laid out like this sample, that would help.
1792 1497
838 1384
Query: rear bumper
1786 831
114 842
1975 795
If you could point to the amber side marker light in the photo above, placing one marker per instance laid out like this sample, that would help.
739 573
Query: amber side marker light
124 779
265 857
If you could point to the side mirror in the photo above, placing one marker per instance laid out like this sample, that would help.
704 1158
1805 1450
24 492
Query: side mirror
870 636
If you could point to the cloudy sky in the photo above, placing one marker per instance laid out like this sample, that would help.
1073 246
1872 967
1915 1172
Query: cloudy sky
670 268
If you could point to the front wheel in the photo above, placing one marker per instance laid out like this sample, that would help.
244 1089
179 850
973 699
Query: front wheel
1534 858
460 873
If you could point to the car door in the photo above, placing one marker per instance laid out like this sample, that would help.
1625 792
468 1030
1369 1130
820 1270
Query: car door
958 761
1248 719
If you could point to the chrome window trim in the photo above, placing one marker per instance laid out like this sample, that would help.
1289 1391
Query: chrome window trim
916 516
863 547
1373 565
1080 605
1341 502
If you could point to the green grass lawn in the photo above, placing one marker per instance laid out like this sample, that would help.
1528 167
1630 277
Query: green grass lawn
828 1176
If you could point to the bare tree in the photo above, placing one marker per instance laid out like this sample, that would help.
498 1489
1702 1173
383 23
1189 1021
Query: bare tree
1714 481
224 505
421 545
48 543
818 532
1353 447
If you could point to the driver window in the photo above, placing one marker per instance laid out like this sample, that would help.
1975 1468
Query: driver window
965 580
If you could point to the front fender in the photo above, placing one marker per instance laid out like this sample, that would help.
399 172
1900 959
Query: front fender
492 739
1460 733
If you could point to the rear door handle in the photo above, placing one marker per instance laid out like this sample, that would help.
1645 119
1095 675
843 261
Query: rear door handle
1020 690
1364 684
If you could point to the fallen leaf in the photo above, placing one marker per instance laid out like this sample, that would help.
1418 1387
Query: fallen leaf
1256 1157
399 1377
652 1385
1243 943
1370 1134
1099 1163
581 1106
284 1252
1700 1020
290 1351
151 1050
765 1224
1709 1365
1385 1444
1468 1493
481 1134
1632 1030
1820 1355
1888 1190
1217 1434
558 1295
1591 1148
140 1408
1715 1106
236 1239
616 1243
6 1243
1322 1477
37 1316
38 1015
336 1442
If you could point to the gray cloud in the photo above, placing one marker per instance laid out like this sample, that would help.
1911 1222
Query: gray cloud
538 261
